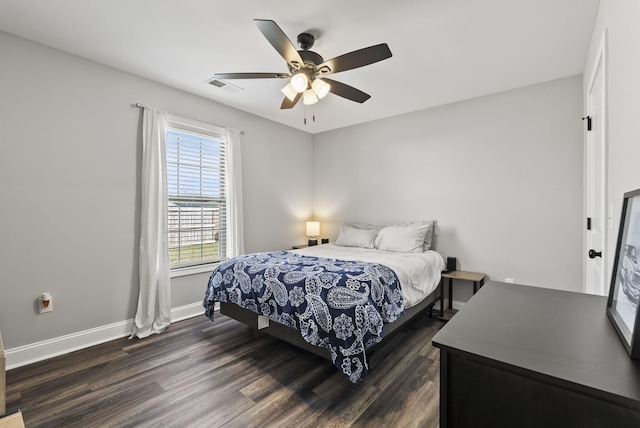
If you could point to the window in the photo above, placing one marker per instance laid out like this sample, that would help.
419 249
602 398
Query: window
196 173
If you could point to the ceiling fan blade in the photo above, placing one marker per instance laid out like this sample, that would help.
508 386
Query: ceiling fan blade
346 91
287 103
355 59
224 76
280 42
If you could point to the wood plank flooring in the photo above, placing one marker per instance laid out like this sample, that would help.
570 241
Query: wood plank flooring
203 374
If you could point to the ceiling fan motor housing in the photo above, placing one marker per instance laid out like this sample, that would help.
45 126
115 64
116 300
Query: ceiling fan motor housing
311 60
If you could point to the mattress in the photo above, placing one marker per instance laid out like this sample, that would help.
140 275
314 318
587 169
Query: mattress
419 273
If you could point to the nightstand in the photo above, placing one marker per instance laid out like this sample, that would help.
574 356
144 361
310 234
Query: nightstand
476 277
297 247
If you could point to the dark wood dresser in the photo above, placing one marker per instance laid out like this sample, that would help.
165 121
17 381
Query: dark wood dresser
518 356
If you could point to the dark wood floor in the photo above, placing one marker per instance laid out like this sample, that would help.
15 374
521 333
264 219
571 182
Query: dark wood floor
204 374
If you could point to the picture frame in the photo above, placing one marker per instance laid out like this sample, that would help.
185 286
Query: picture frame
624 292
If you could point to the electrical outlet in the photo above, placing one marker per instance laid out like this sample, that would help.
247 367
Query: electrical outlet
508 280
45 304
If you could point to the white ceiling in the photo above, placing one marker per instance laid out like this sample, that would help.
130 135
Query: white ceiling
443 50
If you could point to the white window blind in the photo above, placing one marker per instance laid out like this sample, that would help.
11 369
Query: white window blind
196 176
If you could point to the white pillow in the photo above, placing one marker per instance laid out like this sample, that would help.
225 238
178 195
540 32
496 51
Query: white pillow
353 237
367 226
428 239
402 239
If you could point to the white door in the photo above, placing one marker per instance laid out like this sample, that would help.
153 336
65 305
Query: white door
596 281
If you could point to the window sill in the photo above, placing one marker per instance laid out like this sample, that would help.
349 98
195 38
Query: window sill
192 270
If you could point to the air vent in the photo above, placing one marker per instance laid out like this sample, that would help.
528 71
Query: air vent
224 85
218 83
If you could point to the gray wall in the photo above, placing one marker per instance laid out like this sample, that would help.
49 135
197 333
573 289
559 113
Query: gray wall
69 179
502 175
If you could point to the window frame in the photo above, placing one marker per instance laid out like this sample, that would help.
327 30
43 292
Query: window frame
194 127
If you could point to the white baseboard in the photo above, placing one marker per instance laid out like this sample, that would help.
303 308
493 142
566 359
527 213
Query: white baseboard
187 311
457 305
39 351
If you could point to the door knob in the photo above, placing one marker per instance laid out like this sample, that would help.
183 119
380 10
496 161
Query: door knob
593 254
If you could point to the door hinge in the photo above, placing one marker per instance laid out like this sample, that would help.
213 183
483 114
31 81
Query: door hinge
588 223
588 122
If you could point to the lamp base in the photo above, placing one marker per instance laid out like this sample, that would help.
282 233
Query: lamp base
313 242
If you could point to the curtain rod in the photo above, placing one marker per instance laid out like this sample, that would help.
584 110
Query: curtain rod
138 105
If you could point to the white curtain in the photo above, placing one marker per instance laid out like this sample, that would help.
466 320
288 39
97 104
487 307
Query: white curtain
235 229
154 306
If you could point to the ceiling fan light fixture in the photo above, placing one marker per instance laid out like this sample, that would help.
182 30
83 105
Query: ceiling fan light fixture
299 82
321 88
309 97
289 92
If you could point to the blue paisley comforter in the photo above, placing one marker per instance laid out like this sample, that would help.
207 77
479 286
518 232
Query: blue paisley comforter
335 304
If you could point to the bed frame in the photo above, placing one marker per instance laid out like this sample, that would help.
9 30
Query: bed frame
294 337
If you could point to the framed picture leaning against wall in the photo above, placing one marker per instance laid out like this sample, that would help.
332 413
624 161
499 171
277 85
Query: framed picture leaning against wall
624 293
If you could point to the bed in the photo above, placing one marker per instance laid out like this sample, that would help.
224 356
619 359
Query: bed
336 300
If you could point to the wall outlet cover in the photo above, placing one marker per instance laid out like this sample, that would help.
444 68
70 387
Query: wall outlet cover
48 309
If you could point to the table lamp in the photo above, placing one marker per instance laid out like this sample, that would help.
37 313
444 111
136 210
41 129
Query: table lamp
313 230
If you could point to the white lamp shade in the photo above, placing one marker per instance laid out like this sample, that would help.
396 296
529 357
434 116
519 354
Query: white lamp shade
313 228
299 82
309 97
321 88
289 92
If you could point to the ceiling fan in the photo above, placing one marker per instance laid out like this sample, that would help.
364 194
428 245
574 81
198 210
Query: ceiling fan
307 69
